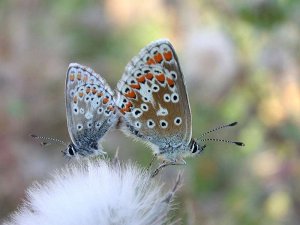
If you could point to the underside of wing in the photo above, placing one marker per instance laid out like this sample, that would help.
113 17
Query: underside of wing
89 104
152 96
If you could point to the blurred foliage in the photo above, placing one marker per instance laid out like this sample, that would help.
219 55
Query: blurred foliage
241 63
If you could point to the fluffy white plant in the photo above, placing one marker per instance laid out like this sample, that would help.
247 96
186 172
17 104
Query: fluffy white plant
97 192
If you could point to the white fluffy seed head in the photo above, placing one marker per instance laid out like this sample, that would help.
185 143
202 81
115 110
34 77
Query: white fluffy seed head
96 192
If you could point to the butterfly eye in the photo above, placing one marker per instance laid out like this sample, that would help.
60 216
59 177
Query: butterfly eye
195 147
71 151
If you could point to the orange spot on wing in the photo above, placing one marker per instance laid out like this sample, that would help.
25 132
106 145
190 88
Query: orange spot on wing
135 86
141 79
158 58
122 111
151 61
168 55
85 78
87 90
72 77
99 94
94 91
129 104
111 108
105 100
127 107
130 94
171 83
149 76
79 76
75 99
161 78
80 94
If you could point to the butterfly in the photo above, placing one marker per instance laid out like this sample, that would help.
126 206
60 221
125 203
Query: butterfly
154 105
90 110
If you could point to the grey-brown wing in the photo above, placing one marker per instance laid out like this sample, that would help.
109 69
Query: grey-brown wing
152 95
90 106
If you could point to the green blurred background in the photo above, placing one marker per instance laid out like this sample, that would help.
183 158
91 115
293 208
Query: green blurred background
241 63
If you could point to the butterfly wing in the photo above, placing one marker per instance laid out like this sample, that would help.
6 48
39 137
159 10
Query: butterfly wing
153 99
89 104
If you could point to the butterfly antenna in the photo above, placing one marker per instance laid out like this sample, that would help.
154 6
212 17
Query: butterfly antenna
47 140
222 140
219 128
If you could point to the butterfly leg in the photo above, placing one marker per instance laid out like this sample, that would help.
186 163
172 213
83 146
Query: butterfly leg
150 164
164 164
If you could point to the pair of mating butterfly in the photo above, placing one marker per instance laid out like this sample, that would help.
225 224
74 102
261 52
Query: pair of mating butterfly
151 103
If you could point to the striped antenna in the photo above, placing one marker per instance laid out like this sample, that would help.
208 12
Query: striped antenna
222 140
219 128
46 141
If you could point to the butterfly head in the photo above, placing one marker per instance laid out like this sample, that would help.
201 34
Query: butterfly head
87 149
195 148
70 151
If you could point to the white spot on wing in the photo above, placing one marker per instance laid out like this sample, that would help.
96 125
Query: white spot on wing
79 126
144 107
167 97
88 115
163 124
150 123
138 124
146 92
137 112
162 111
177 121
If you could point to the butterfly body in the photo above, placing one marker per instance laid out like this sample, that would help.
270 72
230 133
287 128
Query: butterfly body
90 110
